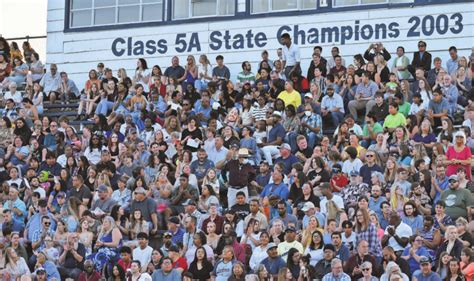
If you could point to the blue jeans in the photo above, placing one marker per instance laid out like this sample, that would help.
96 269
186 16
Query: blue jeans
103 107
337 118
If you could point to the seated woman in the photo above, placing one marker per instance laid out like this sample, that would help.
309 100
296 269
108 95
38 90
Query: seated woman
18 73
425 135
108 241
15 265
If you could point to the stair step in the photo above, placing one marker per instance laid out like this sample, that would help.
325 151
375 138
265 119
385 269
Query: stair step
58 105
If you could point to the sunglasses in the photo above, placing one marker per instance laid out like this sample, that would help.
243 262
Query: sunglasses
47 223
366 269
369 155
452 181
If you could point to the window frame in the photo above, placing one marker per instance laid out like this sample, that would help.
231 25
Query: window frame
299 7
70 11
359 3
190 15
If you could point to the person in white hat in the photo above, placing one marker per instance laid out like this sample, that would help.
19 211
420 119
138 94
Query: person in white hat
240 174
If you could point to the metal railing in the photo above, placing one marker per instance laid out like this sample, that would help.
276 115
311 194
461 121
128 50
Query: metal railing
26 37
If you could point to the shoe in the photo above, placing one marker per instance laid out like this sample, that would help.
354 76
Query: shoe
78 118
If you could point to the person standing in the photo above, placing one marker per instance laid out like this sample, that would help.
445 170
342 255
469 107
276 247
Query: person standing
291 56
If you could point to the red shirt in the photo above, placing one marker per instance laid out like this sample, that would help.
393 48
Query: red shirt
124 265
340 180
181 263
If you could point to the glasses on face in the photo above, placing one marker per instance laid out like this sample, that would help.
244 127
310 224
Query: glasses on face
369 155
47 223
452 181
366 269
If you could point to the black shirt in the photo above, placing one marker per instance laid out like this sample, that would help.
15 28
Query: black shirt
202 274
71 262
174 71
380 111
241 210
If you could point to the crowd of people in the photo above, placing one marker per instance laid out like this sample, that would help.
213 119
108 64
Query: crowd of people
358 171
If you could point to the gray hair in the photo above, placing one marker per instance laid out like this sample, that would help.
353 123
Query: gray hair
335 261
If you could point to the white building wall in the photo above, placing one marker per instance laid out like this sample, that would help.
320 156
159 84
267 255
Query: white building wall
78 52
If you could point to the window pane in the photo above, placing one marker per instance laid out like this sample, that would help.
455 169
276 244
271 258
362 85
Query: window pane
204 7
373 1
152 1
180 9
152 12
81 18
129 14
400 1
226 7
345 2
309 4
284 5
104 3
260 6
104 16
125 2
81 4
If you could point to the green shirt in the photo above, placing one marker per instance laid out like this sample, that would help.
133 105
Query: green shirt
457 202
376 129
393 121
242 77
404 108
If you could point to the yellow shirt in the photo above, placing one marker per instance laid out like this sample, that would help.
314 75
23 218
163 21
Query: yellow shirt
293 98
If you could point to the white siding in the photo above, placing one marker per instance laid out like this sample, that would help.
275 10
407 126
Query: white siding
78 52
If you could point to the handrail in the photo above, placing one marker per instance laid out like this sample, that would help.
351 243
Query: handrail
27 37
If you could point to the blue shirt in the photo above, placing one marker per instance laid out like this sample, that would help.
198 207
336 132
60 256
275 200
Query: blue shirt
414 265
34 224
276 131
280 190
433 276
159 275
19 205
333 102
178 236
366 173
375 206
273 265
200 169
415 223
443 185
51 271
366 91
288 162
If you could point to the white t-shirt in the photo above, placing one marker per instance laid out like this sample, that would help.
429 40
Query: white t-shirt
336 199
403 231
144 74
144 256
349 166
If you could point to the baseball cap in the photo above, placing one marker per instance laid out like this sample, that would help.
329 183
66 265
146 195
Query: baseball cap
285 146
290 229
453 178
308 95
271 245
174 220
189 202
103 188
61 194
307 206
277 113
168 234
354 173
330 86
132 131
425 260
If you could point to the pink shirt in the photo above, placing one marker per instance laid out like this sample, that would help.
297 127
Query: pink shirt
465 154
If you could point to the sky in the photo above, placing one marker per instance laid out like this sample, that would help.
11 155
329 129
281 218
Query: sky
19 18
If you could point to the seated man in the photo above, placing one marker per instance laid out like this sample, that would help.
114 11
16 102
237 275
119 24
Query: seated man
332 106
394 119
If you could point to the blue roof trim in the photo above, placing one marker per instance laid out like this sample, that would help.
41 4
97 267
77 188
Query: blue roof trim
247 14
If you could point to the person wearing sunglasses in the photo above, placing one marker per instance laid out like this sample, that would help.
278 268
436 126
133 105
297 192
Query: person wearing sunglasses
38 241
366 269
